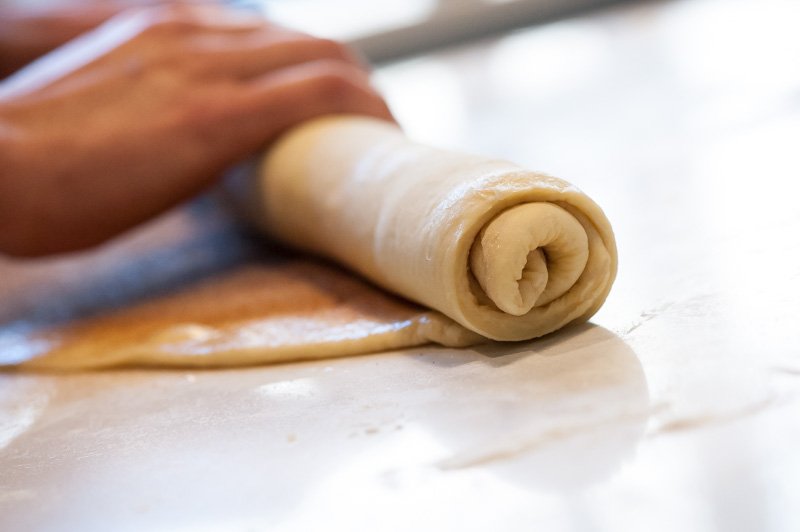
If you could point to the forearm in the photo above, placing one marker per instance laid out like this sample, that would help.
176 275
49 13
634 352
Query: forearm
14 222
8 171
37 188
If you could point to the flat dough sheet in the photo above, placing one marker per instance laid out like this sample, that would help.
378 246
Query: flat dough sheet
194 289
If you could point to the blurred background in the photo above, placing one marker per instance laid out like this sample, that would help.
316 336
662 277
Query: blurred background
395 28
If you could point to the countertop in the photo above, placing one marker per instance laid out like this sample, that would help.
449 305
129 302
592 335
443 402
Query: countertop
676 408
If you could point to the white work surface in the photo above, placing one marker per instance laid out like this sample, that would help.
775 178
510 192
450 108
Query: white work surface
677 408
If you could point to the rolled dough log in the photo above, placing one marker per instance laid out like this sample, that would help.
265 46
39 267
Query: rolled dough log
507 253
488 249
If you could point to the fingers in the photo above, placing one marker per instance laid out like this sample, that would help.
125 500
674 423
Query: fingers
268 106
175 96
175 18
214 42
308 90
253 55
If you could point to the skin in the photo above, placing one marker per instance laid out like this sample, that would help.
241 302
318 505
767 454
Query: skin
28 31
150 109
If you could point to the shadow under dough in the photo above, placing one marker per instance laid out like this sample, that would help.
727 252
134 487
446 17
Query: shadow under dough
556 414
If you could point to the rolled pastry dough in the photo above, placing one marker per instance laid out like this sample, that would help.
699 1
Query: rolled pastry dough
499 252
507 253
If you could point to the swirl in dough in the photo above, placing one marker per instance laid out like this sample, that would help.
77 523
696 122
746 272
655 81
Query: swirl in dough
507 253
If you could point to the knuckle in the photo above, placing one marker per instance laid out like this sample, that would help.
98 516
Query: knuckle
334 79
334 49
170 25
202 111
168 19
174 11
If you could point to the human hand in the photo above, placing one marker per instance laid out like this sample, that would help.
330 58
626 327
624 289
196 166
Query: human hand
30 30
148 110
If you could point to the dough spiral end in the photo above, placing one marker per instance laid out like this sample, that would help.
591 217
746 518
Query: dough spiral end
528 256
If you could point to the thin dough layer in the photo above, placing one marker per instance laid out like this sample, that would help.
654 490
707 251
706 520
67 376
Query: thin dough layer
261 312
507 253
488 249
